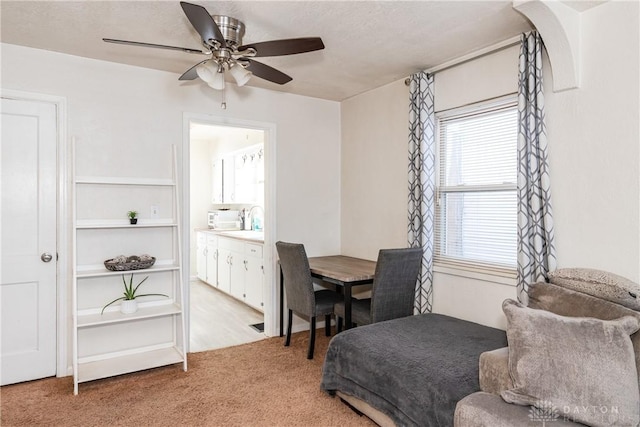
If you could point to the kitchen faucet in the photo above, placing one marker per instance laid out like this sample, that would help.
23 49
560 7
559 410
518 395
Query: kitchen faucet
254 225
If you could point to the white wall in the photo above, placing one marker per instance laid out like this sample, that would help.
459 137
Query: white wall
593 149
125 119
374 171
200 193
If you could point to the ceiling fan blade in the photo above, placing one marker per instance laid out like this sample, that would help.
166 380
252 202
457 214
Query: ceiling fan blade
285 46
191 73
268 73
159 46
203 23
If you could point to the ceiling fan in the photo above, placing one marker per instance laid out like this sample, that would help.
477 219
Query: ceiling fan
222 39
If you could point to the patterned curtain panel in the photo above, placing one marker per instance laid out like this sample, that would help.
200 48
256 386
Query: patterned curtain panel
536 250
422 184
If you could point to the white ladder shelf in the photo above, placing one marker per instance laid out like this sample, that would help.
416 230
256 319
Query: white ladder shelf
113 343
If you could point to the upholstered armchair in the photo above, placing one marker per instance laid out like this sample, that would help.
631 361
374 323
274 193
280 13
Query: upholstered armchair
573 358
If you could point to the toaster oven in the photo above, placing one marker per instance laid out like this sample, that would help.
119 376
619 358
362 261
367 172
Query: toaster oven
224 220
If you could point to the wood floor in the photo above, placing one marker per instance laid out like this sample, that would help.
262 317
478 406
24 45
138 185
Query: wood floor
218 320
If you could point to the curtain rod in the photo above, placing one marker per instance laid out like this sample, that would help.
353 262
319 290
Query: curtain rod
473 55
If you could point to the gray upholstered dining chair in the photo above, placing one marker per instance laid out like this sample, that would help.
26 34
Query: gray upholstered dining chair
302 299
392 292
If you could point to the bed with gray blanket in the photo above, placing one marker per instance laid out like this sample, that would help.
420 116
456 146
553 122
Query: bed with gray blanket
414 369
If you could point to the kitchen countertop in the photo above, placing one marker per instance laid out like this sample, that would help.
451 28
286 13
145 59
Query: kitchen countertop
248 235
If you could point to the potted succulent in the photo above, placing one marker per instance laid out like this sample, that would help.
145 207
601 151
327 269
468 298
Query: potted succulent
133 217
129 304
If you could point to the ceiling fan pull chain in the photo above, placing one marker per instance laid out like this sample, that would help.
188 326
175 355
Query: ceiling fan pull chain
224 101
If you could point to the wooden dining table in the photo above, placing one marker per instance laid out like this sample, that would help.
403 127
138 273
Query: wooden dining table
343 271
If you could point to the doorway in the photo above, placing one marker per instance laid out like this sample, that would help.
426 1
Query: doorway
221 315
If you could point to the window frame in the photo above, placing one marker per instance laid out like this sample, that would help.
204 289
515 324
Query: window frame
496 272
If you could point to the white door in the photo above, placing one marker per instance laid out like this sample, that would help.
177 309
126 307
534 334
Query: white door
28 253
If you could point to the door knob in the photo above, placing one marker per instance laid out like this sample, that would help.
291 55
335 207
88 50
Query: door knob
46 257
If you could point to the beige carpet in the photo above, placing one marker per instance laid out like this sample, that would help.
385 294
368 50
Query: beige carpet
256 384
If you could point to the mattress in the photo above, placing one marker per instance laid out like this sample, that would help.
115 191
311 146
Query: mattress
414 369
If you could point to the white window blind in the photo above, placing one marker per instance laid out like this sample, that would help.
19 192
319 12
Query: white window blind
476 211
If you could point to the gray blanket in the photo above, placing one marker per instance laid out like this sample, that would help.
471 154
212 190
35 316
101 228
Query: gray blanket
414 369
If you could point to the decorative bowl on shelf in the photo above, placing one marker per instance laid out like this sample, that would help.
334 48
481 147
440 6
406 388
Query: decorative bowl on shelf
123 263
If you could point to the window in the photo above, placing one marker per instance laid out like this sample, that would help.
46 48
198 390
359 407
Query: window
476 210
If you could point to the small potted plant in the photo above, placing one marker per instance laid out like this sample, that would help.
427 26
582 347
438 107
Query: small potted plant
133 217
129 304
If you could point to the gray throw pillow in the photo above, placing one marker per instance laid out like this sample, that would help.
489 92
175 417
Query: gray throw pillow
598 283
581 368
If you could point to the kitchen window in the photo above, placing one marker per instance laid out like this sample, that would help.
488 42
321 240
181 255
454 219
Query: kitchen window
476 208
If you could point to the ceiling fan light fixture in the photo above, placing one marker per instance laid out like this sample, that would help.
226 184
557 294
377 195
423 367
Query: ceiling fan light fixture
207 71
217 82
240 74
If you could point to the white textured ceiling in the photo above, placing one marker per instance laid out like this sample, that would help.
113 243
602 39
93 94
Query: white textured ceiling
368 43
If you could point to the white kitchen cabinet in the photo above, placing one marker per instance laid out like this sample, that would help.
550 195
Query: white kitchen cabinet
212 259
238 177
224 269
240 270
201 255
228 179
207 257
237 267
217 181
249 175
223 180
245 177
230 265
111 343
254 276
